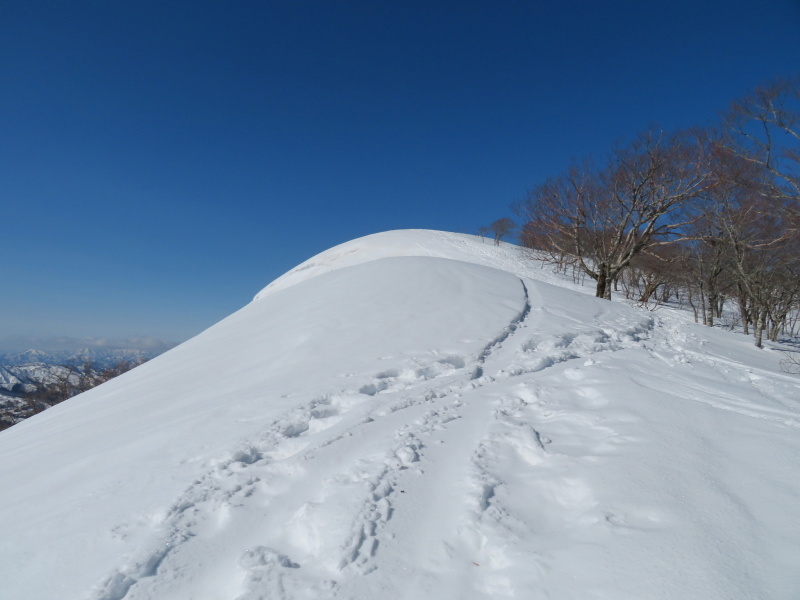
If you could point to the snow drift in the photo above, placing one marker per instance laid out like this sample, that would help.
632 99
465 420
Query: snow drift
416 414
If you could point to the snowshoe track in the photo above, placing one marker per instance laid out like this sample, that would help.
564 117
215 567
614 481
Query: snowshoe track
421 398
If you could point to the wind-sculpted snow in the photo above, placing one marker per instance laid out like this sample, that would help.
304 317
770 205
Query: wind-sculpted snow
416 242
418 428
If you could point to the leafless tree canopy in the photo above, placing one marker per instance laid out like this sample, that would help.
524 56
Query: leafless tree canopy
501 228
645 196
764 128
700 217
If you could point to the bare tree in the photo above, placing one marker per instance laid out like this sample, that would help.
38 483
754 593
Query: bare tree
651 276
765 259
749 233
764 128
500 228
760 208
646 196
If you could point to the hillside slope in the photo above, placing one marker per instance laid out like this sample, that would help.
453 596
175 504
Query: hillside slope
416 415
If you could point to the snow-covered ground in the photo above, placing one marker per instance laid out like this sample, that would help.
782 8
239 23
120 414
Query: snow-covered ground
417 415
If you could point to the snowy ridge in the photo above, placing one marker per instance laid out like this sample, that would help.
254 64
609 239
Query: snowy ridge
415 427
414 242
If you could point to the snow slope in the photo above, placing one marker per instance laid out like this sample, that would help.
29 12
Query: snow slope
416 415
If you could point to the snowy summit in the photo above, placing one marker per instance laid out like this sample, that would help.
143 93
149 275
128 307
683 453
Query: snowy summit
418 415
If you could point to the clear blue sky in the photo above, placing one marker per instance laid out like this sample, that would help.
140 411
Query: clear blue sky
161 162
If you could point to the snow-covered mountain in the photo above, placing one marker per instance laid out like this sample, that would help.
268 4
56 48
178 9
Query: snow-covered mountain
15 382
101 356
22 372
417 415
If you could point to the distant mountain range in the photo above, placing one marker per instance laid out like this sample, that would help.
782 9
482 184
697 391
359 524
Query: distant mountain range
23 372
101 356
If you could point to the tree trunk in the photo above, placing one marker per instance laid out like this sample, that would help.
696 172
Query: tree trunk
758 327
603 290
777 323
743 311
692 304
712 302
703 310
720 306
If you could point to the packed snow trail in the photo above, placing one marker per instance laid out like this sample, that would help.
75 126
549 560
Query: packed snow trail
385 422
303 433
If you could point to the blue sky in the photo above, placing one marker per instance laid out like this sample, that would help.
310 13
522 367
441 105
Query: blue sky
161 162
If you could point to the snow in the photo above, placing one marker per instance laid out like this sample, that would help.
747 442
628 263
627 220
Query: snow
417 414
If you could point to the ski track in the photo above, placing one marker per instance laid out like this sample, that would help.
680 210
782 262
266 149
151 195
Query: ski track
424 396
495 531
